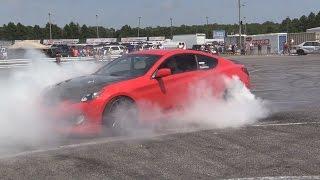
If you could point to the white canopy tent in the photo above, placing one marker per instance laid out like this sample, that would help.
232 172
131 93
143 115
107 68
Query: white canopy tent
26 44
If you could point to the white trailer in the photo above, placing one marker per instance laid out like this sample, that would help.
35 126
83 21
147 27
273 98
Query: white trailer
190 39
275 41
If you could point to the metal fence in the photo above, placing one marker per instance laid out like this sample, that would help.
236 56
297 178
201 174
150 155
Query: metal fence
21 63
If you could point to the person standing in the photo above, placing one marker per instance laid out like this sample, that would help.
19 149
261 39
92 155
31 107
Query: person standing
268 49
251 48
233 49
285 48
58 57
259 49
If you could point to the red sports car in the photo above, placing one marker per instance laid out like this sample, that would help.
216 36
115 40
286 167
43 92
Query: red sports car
131 85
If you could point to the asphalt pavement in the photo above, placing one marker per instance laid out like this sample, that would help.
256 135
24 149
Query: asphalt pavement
284 145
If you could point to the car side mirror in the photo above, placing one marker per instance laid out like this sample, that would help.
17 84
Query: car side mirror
163 73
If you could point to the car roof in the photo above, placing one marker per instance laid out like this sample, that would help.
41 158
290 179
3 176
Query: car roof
163 52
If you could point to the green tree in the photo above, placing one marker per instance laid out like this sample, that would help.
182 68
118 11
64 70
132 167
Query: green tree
10 31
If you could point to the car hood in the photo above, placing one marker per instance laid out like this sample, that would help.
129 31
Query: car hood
74 89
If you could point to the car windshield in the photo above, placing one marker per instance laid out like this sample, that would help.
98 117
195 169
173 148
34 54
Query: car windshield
129 65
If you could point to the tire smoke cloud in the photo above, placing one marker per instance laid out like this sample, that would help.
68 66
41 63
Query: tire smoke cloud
20 120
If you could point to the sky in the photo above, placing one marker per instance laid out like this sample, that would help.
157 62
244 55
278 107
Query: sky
116 13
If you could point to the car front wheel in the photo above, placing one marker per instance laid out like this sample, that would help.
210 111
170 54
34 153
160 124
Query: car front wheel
301 52
121 116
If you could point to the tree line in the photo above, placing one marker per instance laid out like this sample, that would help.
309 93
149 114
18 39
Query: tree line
12 31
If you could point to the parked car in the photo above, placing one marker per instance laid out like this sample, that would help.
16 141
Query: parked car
206 48
63 50
309 47
115 49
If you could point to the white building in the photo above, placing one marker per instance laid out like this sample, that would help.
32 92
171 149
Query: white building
315 30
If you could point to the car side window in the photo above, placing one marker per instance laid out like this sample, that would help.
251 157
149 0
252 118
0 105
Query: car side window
180 63
308 44
205 62
139 63
115 48
315 44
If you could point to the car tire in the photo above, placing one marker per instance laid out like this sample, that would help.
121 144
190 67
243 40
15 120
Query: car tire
301 52
120 116
226 95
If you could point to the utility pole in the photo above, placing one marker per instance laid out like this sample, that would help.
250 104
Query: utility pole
207 18
97 25
171 27
245 25
50 26
240 28
139 23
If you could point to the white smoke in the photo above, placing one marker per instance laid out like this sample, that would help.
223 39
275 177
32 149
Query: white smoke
20 90
238 108
21 123
206 108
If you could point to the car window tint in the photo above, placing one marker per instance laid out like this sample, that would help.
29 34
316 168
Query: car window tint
308 44
315 44
121 66
114 48
181 63
140 63
129 65
205 62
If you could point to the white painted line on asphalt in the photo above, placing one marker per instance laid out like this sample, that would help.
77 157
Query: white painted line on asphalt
285 124
84 144
289 102
265 90
256 70
280 178
117 139
13 66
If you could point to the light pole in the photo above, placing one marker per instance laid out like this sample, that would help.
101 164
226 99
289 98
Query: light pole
240 28
139 22
245 25
207 19
171 27
50 26
97 25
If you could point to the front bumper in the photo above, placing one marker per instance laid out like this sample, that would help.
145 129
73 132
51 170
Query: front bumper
69 118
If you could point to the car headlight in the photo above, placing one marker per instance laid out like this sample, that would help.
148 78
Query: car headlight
90 96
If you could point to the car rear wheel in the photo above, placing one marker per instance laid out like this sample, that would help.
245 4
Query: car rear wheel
120 116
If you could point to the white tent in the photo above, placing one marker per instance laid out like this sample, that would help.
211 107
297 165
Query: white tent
26 44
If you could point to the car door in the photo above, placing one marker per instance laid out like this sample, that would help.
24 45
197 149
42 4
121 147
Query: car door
309 47
209 80
150 93
317 47
184 70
